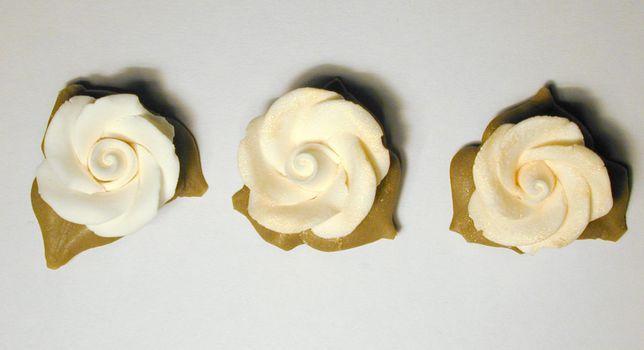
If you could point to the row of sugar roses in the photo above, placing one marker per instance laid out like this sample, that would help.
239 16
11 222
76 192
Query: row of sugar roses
317 170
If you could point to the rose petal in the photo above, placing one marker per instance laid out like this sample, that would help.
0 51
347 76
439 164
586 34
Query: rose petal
335 117
139 130
578 198
59 149
361 180
145 203
530 133
261 177
499 212
276 130
588 164
92 121
80 207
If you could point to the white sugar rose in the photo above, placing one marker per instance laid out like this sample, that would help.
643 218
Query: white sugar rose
110 164
313 161
537 185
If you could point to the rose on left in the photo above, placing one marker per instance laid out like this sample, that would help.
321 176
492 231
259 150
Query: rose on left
109 165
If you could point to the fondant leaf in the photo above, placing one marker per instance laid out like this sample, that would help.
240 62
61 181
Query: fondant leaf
62 239
542 103
191 180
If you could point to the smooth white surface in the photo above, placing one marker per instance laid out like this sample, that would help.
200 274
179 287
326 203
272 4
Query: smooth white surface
110 164
199 277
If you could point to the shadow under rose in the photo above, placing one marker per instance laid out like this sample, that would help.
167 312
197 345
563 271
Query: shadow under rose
374 94
146 84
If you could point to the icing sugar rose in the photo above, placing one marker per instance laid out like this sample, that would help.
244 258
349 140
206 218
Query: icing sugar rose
313 161
537 185
110 164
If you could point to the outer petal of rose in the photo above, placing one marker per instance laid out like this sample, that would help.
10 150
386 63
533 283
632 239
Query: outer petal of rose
534 227
79 207
361 180
578 198
276 129
59 150
336 117
139 130
94 117
261 177
145 205
300 216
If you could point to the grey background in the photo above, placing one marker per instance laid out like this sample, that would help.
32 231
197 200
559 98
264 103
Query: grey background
199 277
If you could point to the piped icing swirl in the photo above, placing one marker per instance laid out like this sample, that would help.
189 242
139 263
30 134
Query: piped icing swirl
109 163
537 185
313 161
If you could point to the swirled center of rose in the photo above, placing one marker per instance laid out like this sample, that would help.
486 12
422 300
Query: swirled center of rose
312 166
112 162
536 180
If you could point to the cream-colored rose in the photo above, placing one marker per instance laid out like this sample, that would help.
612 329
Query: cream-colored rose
537 185
109 164
313 161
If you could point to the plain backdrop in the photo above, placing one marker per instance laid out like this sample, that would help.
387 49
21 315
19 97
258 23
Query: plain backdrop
199 277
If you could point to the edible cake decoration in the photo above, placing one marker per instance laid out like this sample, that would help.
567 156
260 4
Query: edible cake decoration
537 182
317 171
109 165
